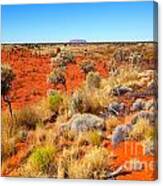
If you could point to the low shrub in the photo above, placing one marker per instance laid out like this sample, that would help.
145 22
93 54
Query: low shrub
26 118
78 102
93 80
128 76
87 66
67 158
41 158
91 137
57 76
119 55
92 166
112 123
7 76
55 99
8 135
142 130
64 58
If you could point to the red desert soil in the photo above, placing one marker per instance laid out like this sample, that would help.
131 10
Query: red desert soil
14 162
32 70
132 150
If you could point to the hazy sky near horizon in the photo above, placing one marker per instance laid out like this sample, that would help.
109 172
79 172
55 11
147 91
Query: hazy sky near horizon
108 21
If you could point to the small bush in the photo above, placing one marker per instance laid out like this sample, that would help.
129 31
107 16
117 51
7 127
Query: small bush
68 157
142 130
119 55
112 123
26 118
64 58
91 137
8 135
57 76
135 57
7 76
55 99
78 102
92 166
41 158
87 67
93 80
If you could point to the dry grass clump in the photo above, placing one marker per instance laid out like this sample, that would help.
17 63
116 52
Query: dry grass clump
127 76
26 118
143 130
42 137
93 137
112 123
42 108
93 80
146 133
67 158
8 135
92 166
88 99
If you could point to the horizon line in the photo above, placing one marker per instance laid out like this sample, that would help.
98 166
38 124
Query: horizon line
87 42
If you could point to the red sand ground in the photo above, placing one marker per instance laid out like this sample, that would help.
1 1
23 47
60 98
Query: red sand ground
31 71
31 85
128 150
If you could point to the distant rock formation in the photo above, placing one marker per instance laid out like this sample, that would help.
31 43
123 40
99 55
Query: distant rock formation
78 41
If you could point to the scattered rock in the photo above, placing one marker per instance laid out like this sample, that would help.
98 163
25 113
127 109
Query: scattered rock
116 108
120 90
141 104
84 122
120 133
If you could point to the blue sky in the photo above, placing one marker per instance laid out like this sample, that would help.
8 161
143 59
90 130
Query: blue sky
112 21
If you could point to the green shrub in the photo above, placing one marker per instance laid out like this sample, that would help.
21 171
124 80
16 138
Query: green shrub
68 57
55 99
41 158
7 76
